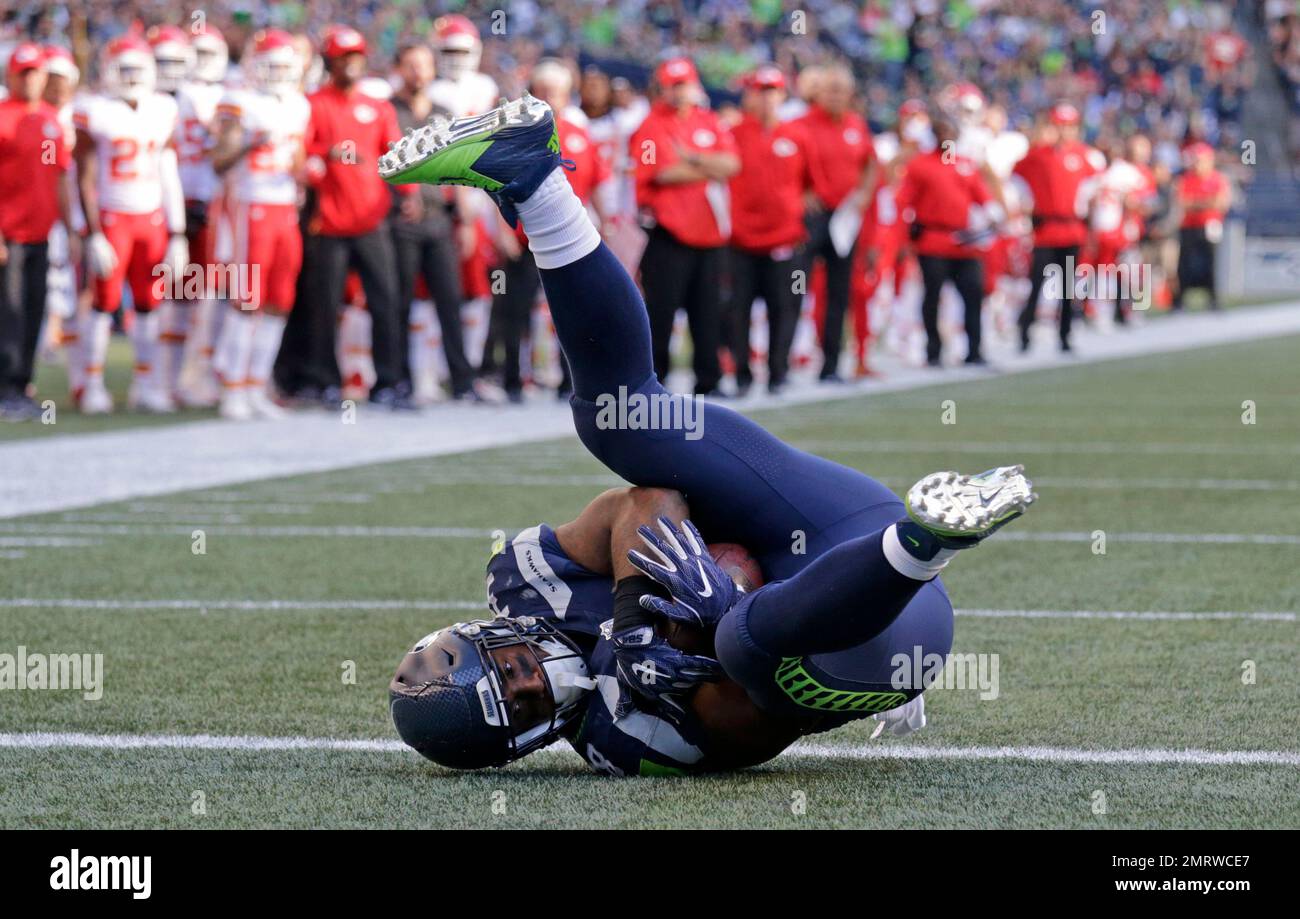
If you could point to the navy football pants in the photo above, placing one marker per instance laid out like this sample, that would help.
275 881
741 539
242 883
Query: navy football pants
830 630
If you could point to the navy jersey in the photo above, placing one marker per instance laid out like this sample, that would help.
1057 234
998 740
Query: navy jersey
530 575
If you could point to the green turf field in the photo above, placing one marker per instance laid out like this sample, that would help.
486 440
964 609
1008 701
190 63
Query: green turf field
1152 452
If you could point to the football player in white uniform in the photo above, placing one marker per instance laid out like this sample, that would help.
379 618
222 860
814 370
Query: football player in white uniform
459 87
134 212
260 145
187 327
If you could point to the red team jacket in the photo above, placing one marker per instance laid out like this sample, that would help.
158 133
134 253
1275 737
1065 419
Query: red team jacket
767 193
839 149
1194 188
937 196
682 209
347 134
1054 174
33 157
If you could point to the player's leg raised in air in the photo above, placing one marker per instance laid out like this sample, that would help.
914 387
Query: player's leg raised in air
850 559
741 480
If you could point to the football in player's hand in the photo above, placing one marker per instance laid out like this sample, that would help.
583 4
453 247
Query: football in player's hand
743 568
737 562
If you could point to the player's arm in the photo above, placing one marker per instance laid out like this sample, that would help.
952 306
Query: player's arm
232 146
173 195
603 534
652 673
100 255
86 158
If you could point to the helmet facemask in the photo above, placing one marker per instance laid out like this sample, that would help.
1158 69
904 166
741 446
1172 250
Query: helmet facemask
131 76
279 72
522 680
172 66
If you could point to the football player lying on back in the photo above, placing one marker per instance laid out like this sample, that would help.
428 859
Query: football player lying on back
853 571
545 668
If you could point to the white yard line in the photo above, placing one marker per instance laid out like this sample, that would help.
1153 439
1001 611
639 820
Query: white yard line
239 743
279 605
1219 539
1046 446
1149 615
238 605
92 469
146 528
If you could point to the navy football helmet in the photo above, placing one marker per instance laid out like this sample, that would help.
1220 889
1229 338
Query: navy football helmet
487 692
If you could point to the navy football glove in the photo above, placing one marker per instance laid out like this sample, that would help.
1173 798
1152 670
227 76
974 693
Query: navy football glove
701 591
651 669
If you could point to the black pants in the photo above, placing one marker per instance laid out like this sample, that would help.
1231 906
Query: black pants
838 274
427 253
967 275
1045 256
371 254
676 276
22 309
512 307
1195 265
760 274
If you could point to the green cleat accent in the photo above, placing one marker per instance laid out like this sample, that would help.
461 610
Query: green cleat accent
461 152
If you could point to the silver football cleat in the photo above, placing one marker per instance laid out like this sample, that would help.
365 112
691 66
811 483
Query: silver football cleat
952 504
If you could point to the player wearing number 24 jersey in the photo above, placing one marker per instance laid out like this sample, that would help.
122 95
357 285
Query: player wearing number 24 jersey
134 209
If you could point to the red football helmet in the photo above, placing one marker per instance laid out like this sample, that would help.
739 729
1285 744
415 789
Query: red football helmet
964 102
128 70
277 66
211 56
340 40
59 62
456 45
172 54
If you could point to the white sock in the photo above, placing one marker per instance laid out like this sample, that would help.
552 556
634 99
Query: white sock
421 358
74 350
266 347
174 326
909 565
95 343
144 339
234 346
559 229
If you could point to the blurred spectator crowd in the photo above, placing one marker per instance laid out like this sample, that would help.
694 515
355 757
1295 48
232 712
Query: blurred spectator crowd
1136 109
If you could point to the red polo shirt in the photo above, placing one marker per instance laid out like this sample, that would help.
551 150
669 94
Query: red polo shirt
346 135
1196 189
33 157
1054 174
767 193
938 196
683 209
839 149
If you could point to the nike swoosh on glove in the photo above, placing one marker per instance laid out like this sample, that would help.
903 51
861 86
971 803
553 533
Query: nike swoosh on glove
701 591
903 720
651 669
